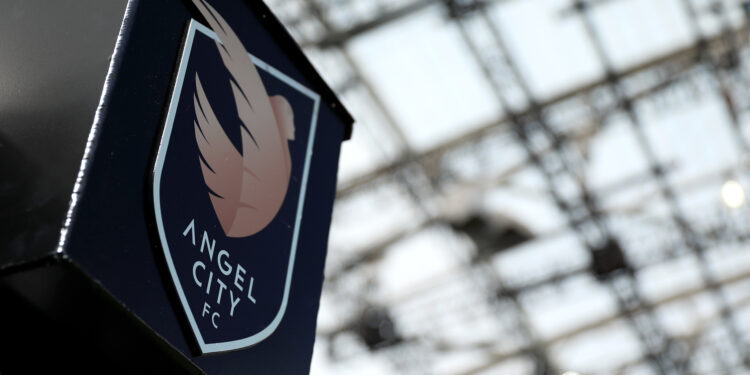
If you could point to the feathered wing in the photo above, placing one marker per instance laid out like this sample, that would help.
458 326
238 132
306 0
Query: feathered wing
220 162
248 189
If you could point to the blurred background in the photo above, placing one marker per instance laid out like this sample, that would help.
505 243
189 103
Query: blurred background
536 186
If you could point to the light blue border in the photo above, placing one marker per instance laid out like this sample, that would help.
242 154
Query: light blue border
164 144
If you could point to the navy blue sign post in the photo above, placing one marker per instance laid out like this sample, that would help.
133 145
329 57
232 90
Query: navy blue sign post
200 215
234 290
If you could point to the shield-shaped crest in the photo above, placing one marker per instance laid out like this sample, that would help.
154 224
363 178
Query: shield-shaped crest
229 185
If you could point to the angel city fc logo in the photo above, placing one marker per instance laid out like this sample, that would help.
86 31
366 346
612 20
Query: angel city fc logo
229 185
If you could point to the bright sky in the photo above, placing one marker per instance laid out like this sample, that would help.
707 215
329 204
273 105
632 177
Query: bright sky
426 78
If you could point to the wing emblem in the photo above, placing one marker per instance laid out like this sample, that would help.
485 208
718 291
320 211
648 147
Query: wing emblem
247 188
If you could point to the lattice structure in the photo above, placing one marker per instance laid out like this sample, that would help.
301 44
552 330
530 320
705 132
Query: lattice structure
436 264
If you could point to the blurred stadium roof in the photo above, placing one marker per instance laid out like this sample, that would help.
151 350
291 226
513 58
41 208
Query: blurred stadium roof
536 186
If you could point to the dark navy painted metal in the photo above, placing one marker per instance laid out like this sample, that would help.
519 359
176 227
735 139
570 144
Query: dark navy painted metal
188 222
112 235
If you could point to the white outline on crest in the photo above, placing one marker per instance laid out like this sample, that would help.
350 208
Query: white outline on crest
158 168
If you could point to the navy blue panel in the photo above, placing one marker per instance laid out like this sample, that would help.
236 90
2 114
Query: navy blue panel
114 236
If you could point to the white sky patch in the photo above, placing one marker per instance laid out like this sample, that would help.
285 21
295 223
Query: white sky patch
618 169
695 153
552 52
636 30
526 263
365 218
610 345
457 362
428 80
578 300
373 143
729 261
365 365
535 210
614 155
666 279
358 156
511 366
679 318
429 250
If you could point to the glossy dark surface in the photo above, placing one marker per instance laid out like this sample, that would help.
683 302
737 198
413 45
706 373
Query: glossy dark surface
54 57
112 239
